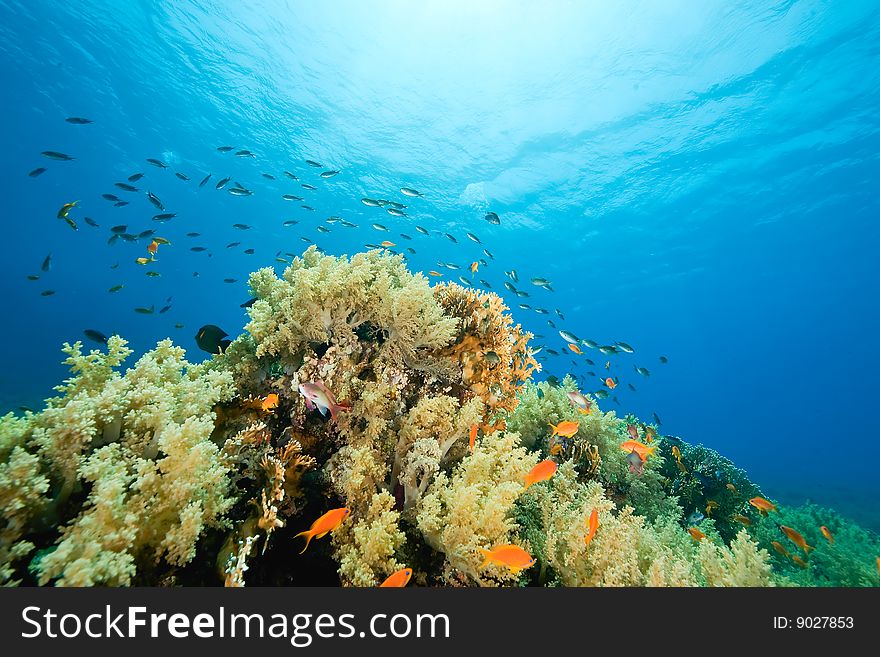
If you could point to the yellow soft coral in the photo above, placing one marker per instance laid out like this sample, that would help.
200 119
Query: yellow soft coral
365 547
470 510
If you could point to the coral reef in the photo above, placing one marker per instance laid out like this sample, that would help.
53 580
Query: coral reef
423 424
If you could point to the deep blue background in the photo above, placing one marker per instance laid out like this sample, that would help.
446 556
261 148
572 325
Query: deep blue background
700 182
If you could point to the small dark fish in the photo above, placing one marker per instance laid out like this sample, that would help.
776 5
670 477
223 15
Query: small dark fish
112 240
485 284
155 200
308 186
47 293
348 224
409 191
291 222
71 223
120 204
268 176
36 172
657 419
492 218
193 234
135 177
77 120
454 241
509 286
204 180
55 155
240 191
145 311
405 236
110 197
198 249
195 274
241 226
290 175
291 197
230 280
312 163
115 265
211 338
307 207
245 153
115 288
394 212
223 182
232 245
165 216
423 231
95 336
33 277
394 204
129 238
247 304
306 240
323 229
225 149
119 229
370 202
249 251
126 187
664 359
631 387
146 233
47 262
182 176
165 309
642 370
328 174
473 238
157 163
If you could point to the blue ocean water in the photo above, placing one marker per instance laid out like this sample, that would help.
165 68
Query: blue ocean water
699 180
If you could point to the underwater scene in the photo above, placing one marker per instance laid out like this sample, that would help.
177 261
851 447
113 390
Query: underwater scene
445 294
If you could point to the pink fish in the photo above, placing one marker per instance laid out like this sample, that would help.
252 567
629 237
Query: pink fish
633 431
318 396
579 400
636 463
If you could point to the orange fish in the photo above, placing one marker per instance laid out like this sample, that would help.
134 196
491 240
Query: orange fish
780 548
324 525
474 267
762 505
153 247
388 244
511 556
796 538
575 348
541 472
650 434
592 526
610 383
696 534
639 448
270 402
565 429
827 534
434 273
633 431
676 452
732 489
800 562
556 449
473 437
681 466
398 579
711 504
